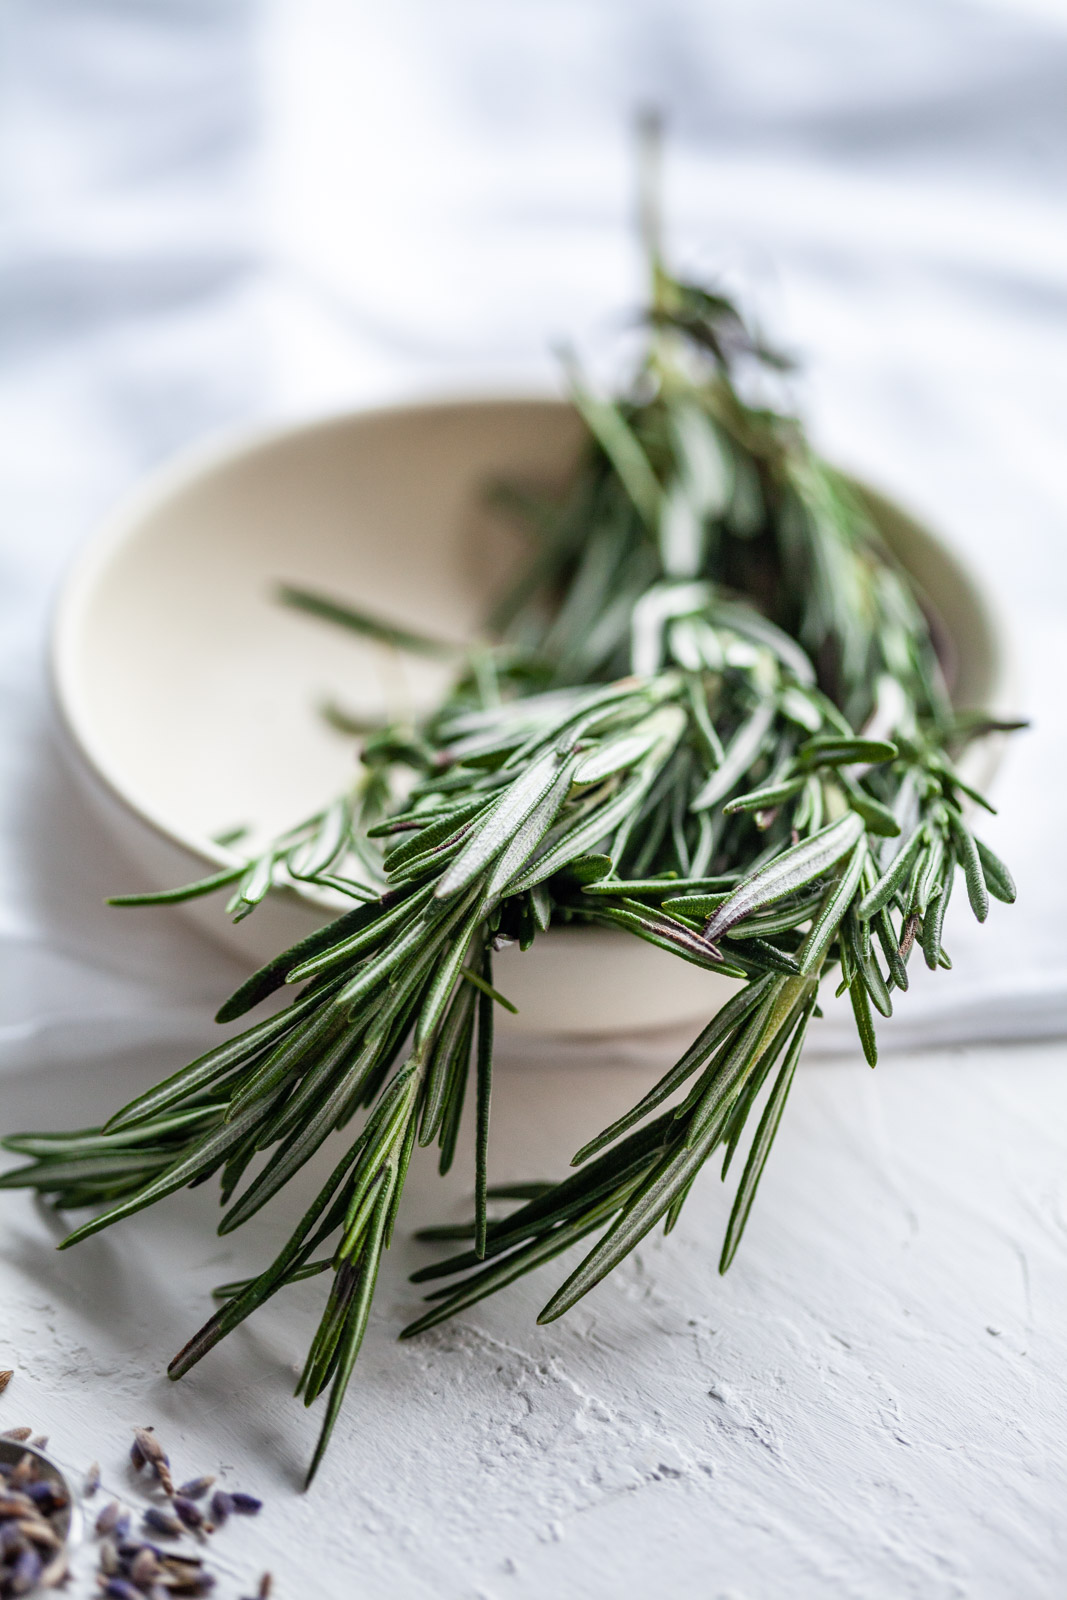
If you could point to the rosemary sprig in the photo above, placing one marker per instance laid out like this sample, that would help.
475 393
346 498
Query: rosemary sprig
712 716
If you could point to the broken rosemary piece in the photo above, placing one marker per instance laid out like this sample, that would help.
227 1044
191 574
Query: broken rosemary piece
712 715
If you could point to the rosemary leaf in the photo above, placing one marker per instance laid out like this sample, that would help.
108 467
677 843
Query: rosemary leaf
713 717
793 869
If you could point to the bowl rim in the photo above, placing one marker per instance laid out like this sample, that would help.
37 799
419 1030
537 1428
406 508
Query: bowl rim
240 444
119 526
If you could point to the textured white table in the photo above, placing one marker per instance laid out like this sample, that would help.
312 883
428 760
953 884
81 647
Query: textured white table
870 1404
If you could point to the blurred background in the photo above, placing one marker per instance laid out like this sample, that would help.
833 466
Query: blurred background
216 212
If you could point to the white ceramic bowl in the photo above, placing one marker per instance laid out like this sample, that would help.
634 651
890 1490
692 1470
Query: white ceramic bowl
188 696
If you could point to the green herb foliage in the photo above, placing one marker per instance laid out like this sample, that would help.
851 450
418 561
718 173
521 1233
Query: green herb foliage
712 716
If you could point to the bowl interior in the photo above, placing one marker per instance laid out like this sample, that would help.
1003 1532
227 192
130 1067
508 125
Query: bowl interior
193 692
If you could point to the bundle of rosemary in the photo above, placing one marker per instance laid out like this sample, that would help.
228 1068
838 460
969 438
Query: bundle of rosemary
712 715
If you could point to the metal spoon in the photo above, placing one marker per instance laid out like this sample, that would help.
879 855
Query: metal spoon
65 1523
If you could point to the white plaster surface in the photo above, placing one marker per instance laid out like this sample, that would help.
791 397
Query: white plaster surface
870 1404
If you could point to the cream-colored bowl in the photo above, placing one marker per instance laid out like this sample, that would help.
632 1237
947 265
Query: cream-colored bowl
188 696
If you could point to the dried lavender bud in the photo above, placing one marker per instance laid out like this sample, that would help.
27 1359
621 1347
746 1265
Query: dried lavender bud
5 1378
130 1548
40 1442
41 1532
143 1567
188 1511
122 1589
180 1570
150 1447
246 1505
122 1526
263 1589
92 1481
162 1522
179 1578
13 1504
44 1495
146 1450
221 1506
20 1435
25 1571
10 1537
107 1521
196 1488
199 1583
109 1558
